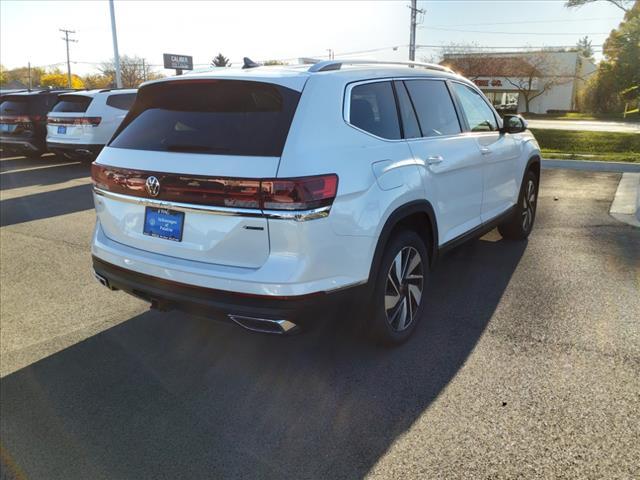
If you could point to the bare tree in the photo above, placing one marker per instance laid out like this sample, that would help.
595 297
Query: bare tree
621 4
134 71
538 74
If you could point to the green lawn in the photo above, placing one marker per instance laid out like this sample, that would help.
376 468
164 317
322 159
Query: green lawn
581 145
612 117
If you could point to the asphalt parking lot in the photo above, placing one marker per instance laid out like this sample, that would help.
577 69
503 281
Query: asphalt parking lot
528 365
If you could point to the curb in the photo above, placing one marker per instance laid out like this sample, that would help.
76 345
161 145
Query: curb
592 165
626 203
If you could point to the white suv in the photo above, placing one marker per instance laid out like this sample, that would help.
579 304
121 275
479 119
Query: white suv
261 195
82 123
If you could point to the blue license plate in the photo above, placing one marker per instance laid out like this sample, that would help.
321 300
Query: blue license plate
163 223
62 129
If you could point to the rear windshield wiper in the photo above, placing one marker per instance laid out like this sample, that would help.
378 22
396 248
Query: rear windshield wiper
194 148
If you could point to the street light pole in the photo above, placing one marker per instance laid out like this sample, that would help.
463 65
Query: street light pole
116 56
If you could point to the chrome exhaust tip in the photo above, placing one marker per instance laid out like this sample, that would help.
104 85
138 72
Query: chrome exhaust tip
103 281
264 325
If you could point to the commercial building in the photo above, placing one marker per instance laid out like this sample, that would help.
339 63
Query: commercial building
543 80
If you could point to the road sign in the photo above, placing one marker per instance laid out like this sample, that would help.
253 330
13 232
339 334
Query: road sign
178 62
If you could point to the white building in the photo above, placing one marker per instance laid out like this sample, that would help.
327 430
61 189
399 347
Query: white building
550 79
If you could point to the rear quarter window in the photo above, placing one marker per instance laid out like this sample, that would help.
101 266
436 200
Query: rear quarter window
72 104
122 101
372 108
14 106
225 117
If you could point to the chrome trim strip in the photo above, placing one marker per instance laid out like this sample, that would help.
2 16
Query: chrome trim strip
296 215
280 326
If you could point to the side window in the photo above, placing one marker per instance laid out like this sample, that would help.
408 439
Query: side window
434 107
479 116
410 126
122 101
373 109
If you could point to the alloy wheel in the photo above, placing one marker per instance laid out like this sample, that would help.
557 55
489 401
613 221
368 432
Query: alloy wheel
403 292
528 205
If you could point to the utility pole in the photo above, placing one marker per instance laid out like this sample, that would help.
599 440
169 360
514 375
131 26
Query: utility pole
331 55
67 40
412 36
114 34
29 67
144 71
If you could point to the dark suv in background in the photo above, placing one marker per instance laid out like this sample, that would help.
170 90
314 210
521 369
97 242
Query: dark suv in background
23 121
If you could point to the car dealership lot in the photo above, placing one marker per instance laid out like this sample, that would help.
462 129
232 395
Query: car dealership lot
528 365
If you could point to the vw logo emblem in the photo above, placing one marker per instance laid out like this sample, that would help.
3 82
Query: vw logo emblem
152 185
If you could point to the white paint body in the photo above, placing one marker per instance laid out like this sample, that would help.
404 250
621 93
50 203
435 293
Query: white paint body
376 177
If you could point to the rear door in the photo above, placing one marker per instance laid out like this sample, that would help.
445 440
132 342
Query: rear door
499 152
451 163
199 148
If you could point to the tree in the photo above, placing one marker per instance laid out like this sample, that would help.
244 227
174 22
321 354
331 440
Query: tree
97 80
3 75
584 47
269 63
21 75
220 61
620 68
134 71
621 4
60 80
538 74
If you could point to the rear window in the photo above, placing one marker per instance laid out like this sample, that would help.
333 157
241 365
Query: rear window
72 104
122 101
14 106
226 117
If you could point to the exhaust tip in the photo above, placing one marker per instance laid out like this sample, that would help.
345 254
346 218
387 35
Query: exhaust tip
264 325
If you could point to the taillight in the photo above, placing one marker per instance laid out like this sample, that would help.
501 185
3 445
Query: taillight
93 121
304 193
15 119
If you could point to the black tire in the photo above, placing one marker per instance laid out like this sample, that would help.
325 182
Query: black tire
387 324
520 224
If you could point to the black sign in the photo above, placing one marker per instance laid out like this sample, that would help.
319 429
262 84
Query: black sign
178 62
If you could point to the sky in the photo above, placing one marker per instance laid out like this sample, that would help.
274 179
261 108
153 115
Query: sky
262 30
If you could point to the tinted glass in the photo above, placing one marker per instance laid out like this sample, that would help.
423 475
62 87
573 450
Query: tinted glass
434 107
72 104
478 114
373 109
410 126
14 106
122 101
226 117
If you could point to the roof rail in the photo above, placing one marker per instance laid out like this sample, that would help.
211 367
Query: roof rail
329 65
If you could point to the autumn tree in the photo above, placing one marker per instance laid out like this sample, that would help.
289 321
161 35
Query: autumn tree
57 79
220 61
21 75
584 47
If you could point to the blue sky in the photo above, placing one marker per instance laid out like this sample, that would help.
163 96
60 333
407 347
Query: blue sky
281 30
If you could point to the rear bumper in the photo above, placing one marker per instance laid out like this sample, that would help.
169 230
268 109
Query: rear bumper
303 310
75 150
20 145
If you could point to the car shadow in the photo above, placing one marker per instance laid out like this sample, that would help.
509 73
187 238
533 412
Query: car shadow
174 396
40 174
45 204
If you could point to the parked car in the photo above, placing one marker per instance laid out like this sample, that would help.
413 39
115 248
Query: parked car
23 121
266 194
81 123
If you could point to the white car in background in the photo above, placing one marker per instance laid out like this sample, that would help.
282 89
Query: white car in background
81 123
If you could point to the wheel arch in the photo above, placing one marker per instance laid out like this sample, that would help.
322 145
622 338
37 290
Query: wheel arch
418 215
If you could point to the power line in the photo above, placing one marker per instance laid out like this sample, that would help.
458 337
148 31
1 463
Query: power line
67 40
520 22
517 33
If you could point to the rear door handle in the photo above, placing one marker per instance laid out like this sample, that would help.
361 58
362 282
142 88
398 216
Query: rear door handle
485 150
435 159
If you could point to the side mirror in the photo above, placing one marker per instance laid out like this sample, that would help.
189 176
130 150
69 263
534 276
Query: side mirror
513 124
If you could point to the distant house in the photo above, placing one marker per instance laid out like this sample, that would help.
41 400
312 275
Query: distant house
552 77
